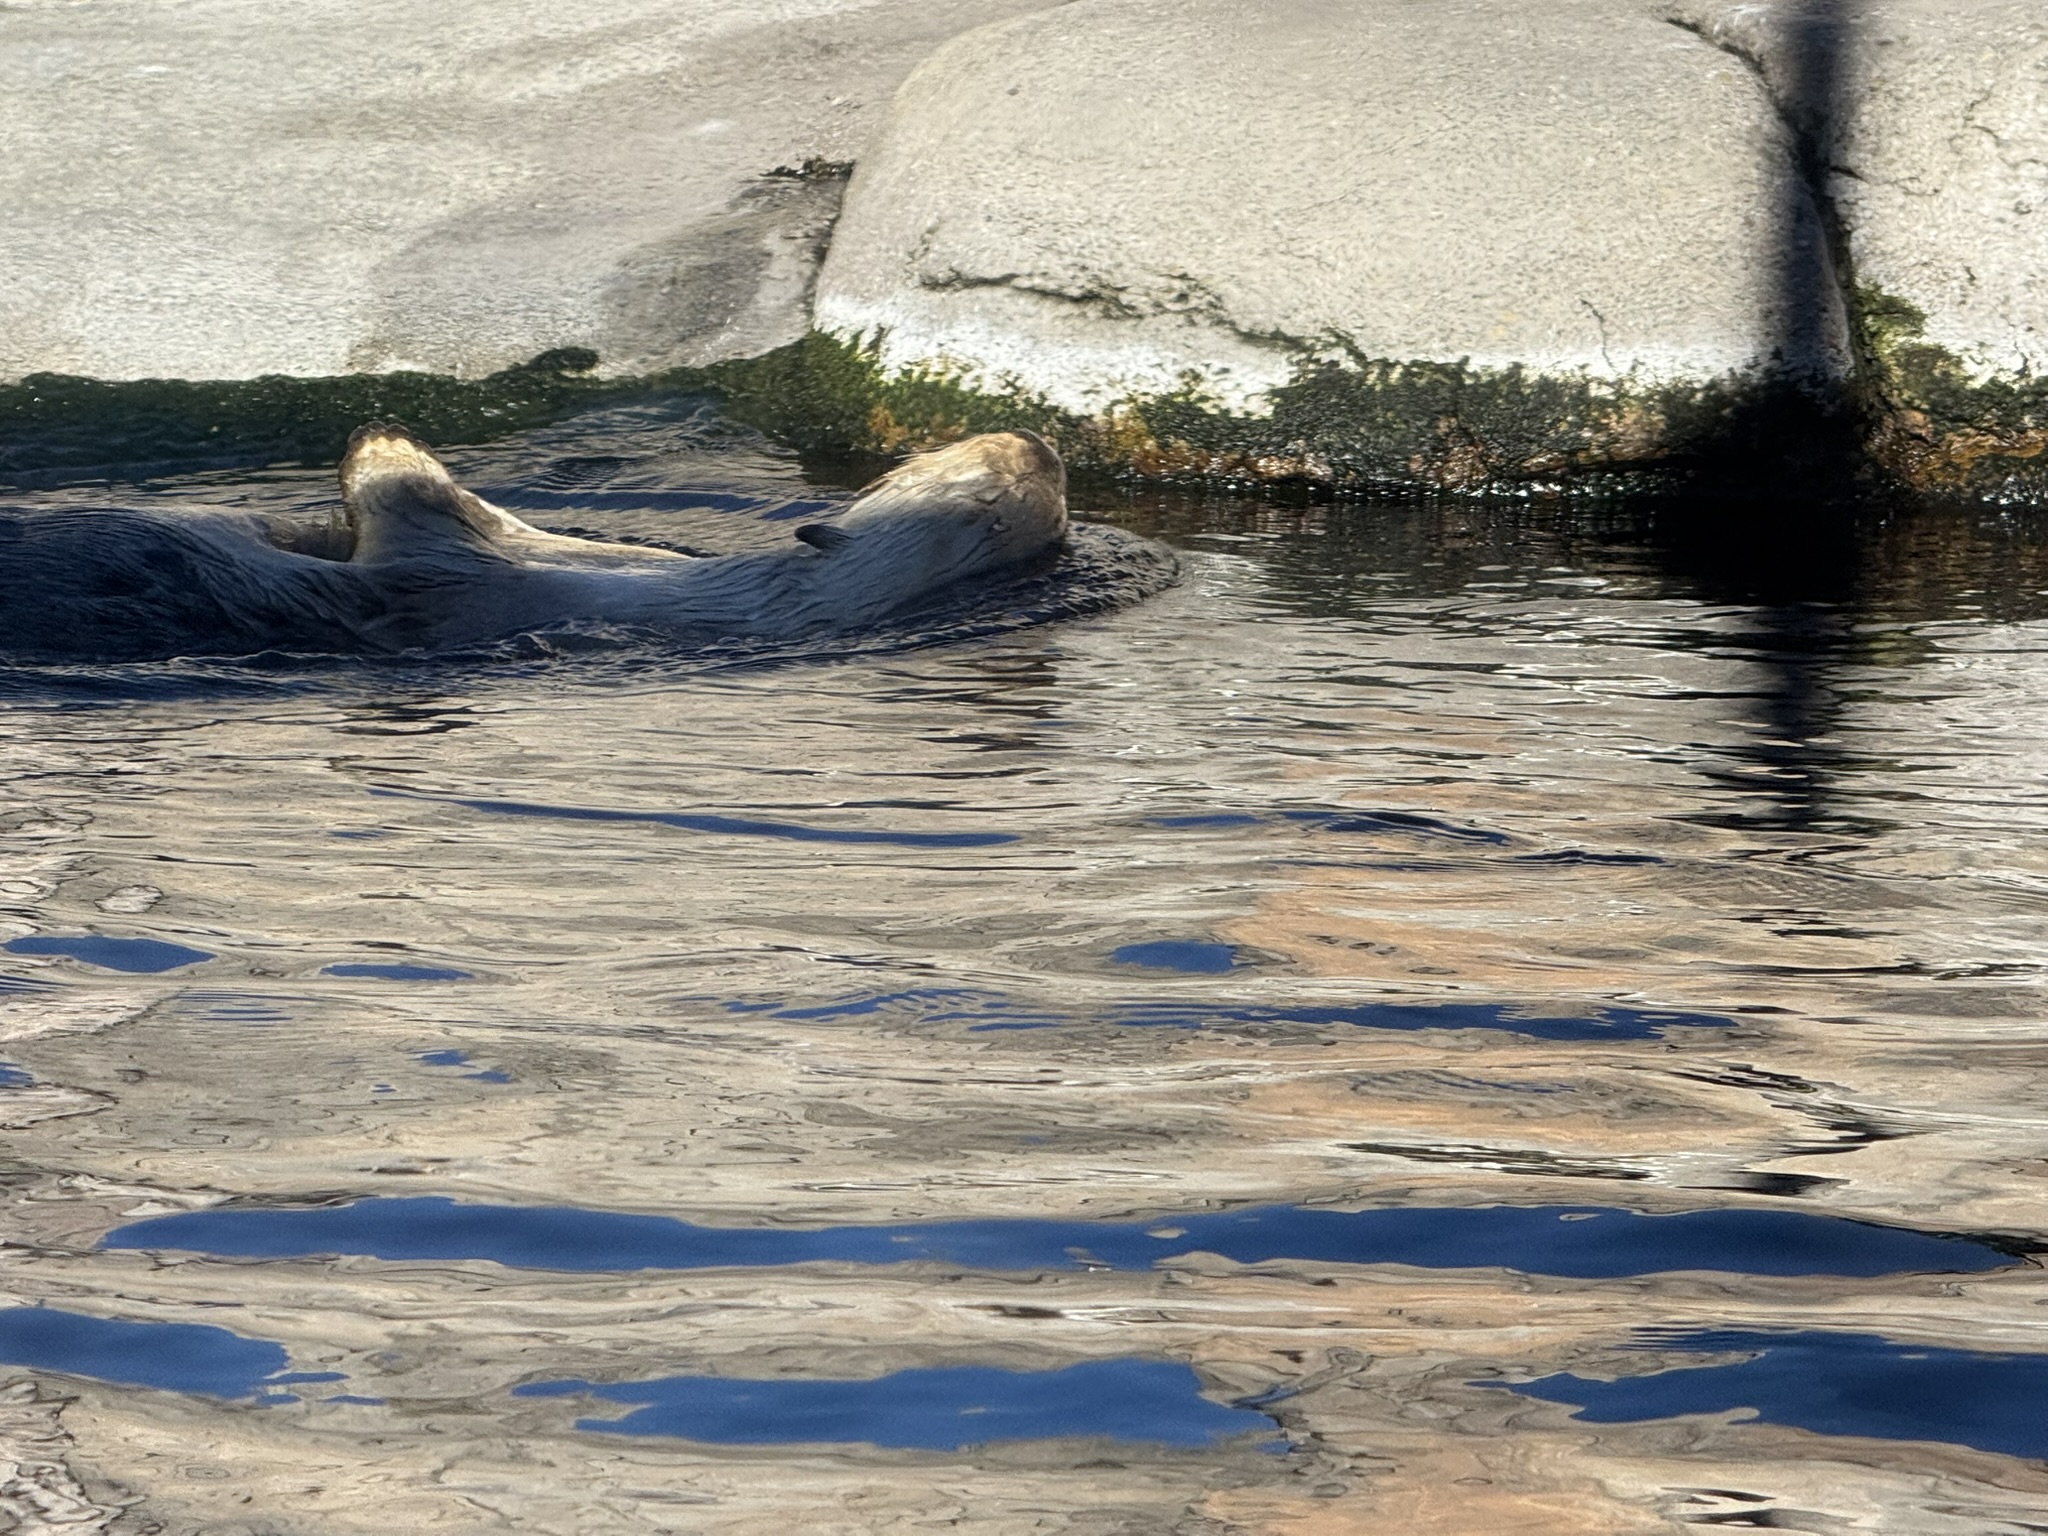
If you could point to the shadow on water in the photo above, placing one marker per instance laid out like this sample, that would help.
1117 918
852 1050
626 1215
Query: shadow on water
1782 524
1800 576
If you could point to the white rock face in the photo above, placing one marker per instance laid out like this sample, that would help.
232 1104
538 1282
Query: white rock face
217 189
1936 135
1106 198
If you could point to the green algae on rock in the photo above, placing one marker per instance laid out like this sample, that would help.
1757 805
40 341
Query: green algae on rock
825 395
54 423
1936 426
1343 420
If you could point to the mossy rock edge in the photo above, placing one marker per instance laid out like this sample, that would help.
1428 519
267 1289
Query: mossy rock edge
1936 429
59 425
1343 420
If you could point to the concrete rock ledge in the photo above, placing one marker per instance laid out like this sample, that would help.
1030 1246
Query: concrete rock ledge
221 189
1925 126
1463 244
1471 243
1452 242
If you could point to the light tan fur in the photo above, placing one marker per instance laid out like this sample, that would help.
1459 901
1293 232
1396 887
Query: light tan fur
452 568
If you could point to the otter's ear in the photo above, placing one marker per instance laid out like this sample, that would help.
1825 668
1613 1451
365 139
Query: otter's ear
824 536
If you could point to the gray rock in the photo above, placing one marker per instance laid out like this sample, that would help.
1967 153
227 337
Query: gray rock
1928 122
222 188
1115 198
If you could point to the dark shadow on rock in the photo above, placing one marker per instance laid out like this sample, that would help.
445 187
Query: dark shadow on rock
1781 513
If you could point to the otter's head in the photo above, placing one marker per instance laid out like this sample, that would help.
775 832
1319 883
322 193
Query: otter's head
976 505
1031 513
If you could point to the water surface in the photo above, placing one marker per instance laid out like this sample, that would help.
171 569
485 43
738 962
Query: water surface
1534 1011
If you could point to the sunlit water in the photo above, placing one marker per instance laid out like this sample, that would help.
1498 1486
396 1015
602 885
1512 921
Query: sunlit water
1451 1019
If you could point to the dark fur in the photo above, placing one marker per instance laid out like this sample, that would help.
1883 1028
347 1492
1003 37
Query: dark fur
422 563
121 585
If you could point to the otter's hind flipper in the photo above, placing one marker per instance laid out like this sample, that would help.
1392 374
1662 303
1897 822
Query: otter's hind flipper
402 504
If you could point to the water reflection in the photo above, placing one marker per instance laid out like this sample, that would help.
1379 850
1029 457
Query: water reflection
745 826
1430 944
175 1357
113 954
378 970
1138 1401
1829 1383
982 1011
1190 956
1589 1242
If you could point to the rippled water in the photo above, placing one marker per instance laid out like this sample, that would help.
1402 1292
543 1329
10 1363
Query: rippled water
1454 1018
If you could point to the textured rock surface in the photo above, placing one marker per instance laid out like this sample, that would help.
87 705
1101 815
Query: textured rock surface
1103 200
1931 120
204 191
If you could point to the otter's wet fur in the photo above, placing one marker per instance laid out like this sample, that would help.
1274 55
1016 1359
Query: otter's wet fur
419 563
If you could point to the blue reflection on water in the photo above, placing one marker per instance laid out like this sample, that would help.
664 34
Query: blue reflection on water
455 1058
12 1076
133 955
380 972
176 1357
980 1010
1831 1384
732 826
1157 1402
1179 955
1582 1241
1608 1022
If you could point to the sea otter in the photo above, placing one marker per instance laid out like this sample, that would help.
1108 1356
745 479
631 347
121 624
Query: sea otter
418 563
